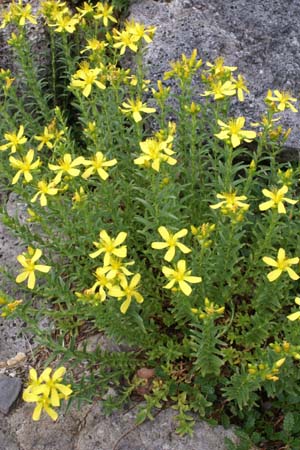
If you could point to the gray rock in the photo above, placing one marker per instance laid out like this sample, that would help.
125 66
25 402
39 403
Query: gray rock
8 440
119 432
46 434
90 429
12 338
37 36
9 391
261 38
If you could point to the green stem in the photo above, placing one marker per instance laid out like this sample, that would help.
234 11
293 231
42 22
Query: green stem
155 190
228 167
53 66
24 54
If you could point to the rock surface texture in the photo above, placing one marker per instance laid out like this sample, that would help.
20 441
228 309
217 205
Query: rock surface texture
90 429
260 37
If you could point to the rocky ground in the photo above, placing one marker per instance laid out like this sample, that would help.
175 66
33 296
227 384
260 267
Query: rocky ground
260 37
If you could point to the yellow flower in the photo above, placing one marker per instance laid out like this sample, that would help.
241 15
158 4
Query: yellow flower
9 307
15 40
65 22
277 199
91 128
193 108
110 247
6 17
93 298
125 39
85 77
171 242
28 260
240 87
282 265
98 165
58 134
104 11
286 177
281 101
66 166
45 139
233 133
210 309
162 92
79 195
218 68
133 81
24 166
5 75
32 216
53 387
18 14
44 189
180 276
139 30
279 363
220 90
203 233
135 107
24 14
231 202
117 268
42 404
86 10
295 315
14 140
94 45
155 152
46 391
183 69
52 8
104 281
128 290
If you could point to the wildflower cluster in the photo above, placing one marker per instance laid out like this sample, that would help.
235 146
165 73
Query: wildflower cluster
46 391
167 236
157 150
111 278
221 83
8 305
266 373
210 310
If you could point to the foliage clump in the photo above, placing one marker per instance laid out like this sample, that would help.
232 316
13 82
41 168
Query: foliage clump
178 238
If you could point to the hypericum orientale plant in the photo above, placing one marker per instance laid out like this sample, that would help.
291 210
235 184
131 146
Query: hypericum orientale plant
178 238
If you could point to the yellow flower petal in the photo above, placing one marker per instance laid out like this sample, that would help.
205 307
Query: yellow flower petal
37 412
294 316
31 280
270 261
272 276
292 274
159 245
125 305
170 254
185 288
266 205
53 414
